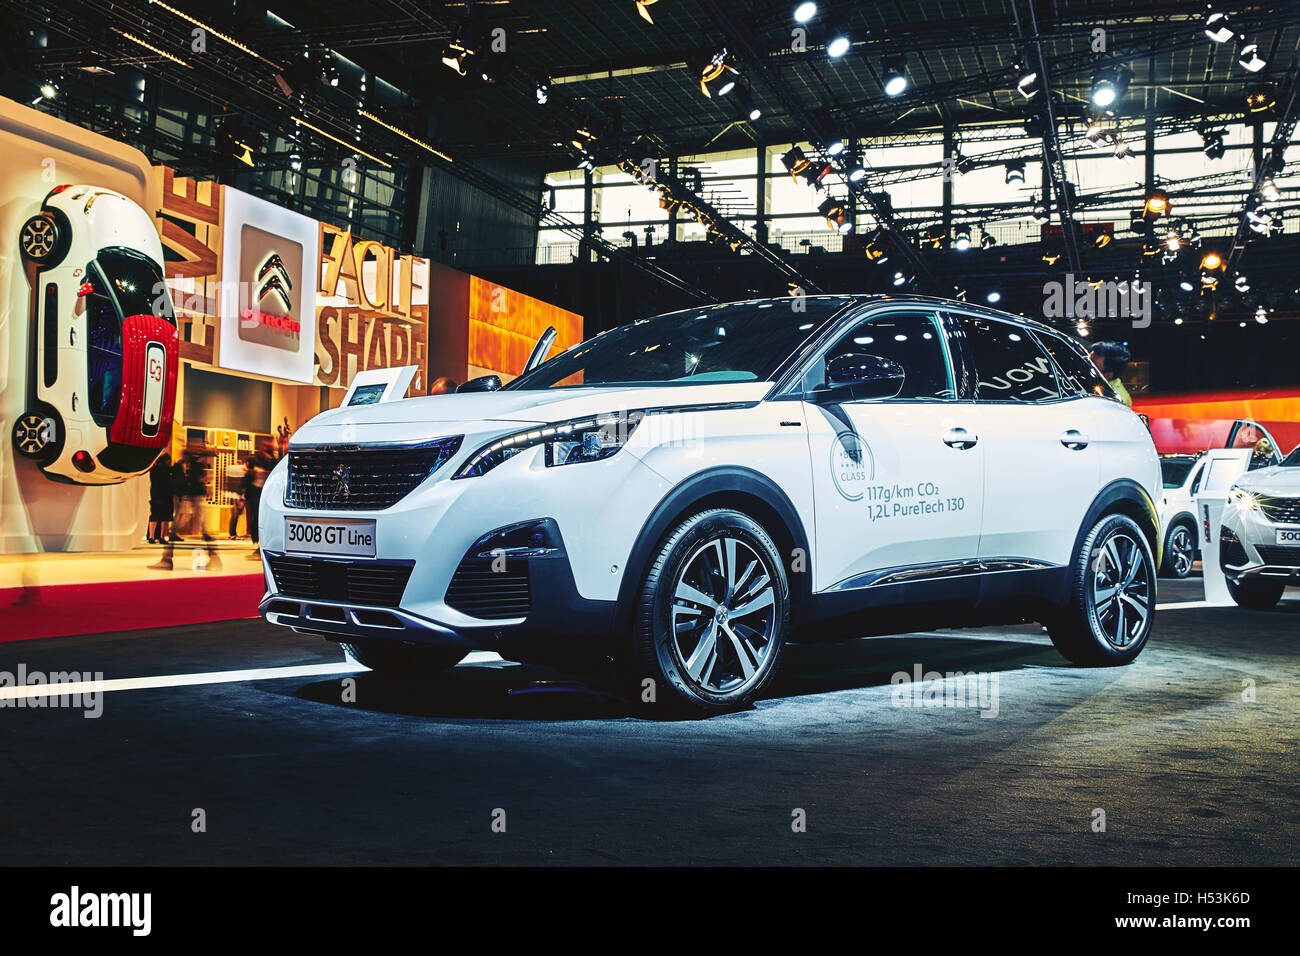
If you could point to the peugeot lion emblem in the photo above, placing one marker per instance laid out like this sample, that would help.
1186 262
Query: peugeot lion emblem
342 474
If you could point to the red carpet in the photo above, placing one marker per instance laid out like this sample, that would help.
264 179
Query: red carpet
66 609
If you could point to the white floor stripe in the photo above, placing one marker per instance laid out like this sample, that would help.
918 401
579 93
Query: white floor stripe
193 680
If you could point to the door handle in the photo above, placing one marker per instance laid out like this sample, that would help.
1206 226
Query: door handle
960 439
1074 439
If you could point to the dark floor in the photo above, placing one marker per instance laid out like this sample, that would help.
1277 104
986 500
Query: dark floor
1185 770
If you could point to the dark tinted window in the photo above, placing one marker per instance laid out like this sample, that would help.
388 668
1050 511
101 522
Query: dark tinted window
1080 374
1009 364
1174 471
136 282
912 339
103 350
740 342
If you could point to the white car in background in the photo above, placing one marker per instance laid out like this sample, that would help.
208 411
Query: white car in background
1259 539
1181 476
104 344
687 493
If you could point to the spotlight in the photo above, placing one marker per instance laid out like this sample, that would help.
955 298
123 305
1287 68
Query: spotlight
1261 315
1110 84
718 77
1102 240
49 89
805 12
1211 261
1269 191
543 94
899 279
835 147
934 237
895 75
838 43
1016 173
961 163
1040 213
295 161
1186 285
1028 82
857 174
1260 220
993 297
961 238
1241 284
1261 100
749 107
876 250
837 217
1218 26
644 13
1157 204
1122 150
455 55
986 239
1213 140
1250 59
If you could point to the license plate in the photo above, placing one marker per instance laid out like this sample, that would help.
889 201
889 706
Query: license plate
1288 535
349 537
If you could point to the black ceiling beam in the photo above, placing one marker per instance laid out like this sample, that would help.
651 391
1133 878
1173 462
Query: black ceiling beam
1030 40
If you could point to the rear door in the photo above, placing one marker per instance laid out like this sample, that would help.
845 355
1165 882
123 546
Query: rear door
1041 464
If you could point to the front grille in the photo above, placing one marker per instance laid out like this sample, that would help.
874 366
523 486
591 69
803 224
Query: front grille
375 585
361 477
1281 510
479 591
1287 556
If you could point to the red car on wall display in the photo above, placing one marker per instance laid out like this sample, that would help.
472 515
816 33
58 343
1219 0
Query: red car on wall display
105 348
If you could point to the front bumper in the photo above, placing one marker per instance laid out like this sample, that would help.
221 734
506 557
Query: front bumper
434 535
1249 547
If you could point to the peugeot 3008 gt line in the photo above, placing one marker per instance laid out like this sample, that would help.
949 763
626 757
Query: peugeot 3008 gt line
1259 539
686 494
104 346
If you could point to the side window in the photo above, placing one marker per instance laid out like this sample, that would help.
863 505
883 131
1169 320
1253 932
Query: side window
912 339
1196 484
1009 364
1081 376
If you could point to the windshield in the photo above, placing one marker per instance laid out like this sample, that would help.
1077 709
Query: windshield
1292 460
1175 470
740 342
136 282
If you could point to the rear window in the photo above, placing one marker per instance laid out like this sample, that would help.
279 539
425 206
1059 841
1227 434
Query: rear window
1174 471
1081 376
103 350
136 282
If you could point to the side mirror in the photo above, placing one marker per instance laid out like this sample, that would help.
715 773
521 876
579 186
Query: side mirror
484 383
859 376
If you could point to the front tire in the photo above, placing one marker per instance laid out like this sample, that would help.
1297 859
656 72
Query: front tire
44 239
1180 551
397 660
1257 594
712 617
1112 597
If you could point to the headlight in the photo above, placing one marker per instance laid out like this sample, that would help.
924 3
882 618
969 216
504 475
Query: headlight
567 443
1243 499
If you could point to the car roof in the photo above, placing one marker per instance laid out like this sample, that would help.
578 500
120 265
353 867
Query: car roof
857 300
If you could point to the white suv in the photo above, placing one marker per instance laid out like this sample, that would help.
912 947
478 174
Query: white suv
1259 539
685 494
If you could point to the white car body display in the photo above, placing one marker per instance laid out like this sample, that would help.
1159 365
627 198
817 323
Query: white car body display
104 352
1259 539
685 494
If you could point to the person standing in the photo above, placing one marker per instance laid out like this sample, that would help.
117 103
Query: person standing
254 479
178 497
161 506
1111 358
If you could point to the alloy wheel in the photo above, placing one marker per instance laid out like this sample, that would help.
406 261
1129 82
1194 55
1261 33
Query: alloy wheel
724 616
38 238
33 433
1121 589
1181 552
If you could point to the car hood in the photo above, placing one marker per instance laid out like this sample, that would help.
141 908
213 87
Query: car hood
527 407
1280 480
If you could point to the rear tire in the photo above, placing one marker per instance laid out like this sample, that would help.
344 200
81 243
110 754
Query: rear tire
1112 596
1180 550
398 660
711 619
38 434
1258 594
